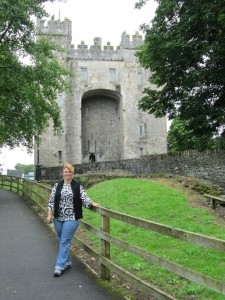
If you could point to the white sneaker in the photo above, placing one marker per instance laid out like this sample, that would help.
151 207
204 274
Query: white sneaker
57 272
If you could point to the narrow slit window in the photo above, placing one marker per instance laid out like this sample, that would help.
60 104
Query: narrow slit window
112 75
60 156
141 131
139 78
84 74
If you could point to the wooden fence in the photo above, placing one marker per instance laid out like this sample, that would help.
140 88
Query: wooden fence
214 200
38 193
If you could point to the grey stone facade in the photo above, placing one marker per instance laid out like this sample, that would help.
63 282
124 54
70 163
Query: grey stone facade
100 116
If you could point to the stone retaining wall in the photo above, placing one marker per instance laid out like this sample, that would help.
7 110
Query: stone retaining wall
209 166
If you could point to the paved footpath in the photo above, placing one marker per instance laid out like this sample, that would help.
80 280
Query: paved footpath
27 256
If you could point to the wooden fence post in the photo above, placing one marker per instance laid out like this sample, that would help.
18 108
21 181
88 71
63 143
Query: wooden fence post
11 183
17 185
105 247
213 203
2 178
23 193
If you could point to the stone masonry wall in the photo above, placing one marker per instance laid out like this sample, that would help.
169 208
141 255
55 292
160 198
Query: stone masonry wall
209 166
103 77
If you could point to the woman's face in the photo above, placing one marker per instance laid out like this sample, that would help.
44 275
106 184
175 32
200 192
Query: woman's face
67 174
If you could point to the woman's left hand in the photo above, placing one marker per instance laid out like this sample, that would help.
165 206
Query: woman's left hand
95 204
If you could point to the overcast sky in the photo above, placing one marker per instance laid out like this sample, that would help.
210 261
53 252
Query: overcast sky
102 18
107 19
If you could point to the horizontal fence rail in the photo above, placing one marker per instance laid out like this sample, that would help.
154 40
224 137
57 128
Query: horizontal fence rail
214 200
39 195
177 233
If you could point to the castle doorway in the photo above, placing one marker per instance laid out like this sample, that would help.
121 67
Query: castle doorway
102 129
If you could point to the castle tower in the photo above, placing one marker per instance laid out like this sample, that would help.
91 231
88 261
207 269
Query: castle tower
100 117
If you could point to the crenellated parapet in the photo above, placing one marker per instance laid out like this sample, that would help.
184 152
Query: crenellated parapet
55 27
132 43
62 31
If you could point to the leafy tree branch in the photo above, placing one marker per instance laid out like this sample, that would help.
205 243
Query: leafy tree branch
184 49
28 90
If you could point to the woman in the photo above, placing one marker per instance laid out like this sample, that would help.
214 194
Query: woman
65 204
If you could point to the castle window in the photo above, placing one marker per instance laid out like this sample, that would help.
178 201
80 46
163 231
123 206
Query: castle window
87 111
60 156
139 78
60 100
58 131
84 74
110 143
141 131
112 75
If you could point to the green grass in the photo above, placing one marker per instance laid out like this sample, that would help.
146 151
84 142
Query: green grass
153 201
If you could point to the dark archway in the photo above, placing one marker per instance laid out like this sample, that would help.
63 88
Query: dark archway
102 125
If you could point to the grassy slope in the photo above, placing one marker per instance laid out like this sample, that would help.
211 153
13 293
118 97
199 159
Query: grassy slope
156 202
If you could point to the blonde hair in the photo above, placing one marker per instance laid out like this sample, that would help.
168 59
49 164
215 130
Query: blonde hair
70 167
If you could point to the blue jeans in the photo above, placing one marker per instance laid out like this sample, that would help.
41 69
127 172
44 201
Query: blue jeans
65 231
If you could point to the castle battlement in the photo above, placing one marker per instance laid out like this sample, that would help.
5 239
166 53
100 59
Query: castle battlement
55 27
63 29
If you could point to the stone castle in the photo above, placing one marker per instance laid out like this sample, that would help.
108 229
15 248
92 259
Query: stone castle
101 120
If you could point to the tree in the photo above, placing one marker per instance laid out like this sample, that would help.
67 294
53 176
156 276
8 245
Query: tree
27 91
25 169
180 138
184 49
220 141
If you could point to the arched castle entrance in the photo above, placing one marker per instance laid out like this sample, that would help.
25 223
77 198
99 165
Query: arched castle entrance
102 128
